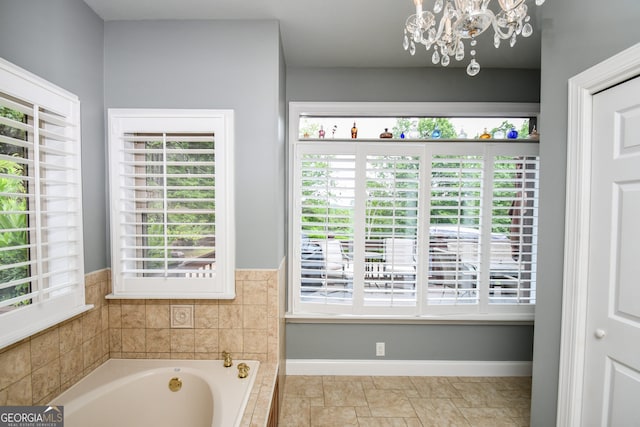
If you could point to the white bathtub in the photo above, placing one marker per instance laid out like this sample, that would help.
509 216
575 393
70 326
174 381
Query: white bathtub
135 393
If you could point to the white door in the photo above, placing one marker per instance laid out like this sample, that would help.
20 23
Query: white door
611 394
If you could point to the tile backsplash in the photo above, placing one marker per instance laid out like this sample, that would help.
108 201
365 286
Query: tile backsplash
251 326
247 326
40 367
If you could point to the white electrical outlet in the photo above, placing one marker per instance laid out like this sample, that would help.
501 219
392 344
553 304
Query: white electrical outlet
379 349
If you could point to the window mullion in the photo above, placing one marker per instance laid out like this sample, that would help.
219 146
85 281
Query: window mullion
165 205
37 200
485 229
359 225
424 219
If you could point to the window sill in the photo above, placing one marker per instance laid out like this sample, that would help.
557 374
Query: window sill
177 295
453 319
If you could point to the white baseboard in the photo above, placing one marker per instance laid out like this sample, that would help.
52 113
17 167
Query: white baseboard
418 368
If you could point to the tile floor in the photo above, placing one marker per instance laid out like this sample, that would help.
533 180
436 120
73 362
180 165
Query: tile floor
340 401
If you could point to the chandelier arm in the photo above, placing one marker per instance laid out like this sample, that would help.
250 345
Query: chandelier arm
502 34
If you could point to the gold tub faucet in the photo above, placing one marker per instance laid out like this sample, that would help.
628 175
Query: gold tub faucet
243 370
227 359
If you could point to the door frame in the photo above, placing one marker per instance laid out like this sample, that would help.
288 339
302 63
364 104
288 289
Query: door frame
582 88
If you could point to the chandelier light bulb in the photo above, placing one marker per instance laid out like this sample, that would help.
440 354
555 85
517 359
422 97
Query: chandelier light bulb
465 19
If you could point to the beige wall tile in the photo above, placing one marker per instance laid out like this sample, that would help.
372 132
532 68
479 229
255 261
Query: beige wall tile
15 364
206 340
92 351
71 365
157 316
91 324
45 380
255 341
115 341
133 340
70 335
182 340
115 315
105 317
231 340
18 393
158 340
133 315
255 292
255 317
92 294
163 355
185 356
230 316
45 347
206 316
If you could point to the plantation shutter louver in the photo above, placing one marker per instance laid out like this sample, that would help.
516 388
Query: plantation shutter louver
42 267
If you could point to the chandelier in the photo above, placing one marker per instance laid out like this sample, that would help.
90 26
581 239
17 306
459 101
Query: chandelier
462 21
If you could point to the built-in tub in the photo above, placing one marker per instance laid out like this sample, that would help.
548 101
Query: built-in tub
136 393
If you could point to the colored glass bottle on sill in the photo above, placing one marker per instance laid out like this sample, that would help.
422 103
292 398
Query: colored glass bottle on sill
513 134
354 131
386 134
321 132
485 135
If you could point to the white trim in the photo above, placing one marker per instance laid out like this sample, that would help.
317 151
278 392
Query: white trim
415 368
582 87
64 295
222 285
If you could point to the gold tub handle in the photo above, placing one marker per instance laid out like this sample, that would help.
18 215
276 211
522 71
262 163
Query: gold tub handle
243 370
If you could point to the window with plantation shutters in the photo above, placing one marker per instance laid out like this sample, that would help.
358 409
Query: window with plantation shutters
171 203
41 255
413 228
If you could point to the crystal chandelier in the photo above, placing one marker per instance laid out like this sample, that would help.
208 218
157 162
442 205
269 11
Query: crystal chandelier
463 20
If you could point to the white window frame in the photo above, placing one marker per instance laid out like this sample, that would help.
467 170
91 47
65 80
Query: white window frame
218 283
57 282
482 311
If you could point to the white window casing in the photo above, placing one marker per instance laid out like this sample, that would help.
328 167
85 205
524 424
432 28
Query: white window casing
172 204
41 239
412 229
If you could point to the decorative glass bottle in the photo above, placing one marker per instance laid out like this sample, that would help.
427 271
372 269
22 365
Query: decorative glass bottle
321 132
436 133
386 134
354 131
485 135
513 134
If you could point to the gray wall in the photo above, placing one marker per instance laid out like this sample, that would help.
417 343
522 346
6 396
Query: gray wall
412 84
567 50
409 342
215 64
61 41
454 342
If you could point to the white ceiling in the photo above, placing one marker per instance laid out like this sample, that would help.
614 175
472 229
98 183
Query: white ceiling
330 33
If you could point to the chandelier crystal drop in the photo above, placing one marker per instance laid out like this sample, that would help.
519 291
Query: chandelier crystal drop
465 19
